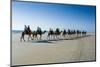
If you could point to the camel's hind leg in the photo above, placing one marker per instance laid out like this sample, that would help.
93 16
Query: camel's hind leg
22 38
30 37
40 37
48 37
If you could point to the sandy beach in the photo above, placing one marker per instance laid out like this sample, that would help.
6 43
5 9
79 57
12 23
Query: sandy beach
40 52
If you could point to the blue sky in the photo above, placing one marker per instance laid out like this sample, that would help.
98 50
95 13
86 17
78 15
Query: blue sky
52 16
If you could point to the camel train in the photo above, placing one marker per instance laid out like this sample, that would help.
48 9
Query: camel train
51 34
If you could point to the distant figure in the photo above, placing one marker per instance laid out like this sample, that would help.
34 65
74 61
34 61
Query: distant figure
38 28
39 32
28 28
57 33
78 33
50 34
25 28
27 31
84 33
74 32
34 34
64 33
69 32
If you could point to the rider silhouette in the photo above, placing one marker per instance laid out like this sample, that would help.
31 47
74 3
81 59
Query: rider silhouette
25 28
28 28
38 28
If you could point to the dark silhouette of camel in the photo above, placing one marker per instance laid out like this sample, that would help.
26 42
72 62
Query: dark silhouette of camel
50 34
27 31
64 33
84 33
54 34
34 35
38 32
70 33
57 34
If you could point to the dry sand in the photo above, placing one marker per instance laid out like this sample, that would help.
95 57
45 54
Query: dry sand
33 52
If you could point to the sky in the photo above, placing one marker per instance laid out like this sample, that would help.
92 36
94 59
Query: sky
46 16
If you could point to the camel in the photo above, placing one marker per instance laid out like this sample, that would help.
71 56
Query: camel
64 33
54 34
57 33
50 34
78 33
34 35
37 33
26 32
84 33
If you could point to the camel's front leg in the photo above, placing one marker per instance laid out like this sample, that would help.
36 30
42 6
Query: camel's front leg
40 37
22 37
28 37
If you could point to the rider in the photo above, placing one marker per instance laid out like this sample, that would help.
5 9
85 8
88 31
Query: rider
25 28
38 28
28 28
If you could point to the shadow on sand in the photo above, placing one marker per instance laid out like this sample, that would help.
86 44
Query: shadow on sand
43 41
51 41
78 37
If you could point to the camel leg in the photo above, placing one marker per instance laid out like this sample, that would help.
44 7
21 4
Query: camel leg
29 37
32 37
54 36
50 37
40 37
63 36
47 37
37 37
22 37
